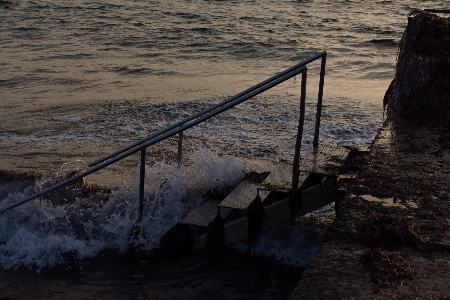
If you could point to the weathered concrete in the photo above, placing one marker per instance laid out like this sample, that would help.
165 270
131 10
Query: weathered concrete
410 164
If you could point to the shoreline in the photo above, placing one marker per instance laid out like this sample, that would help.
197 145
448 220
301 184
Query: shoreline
399 150
389 252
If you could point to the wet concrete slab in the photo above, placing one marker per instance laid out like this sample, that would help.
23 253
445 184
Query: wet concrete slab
374 250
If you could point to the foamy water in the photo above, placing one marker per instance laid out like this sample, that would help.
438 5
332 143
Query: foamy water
47 232
51 231
57 229
80 80
262 128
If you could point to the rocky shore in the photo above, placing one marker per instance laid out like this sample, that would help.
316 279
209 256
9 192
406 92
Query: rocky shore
391 237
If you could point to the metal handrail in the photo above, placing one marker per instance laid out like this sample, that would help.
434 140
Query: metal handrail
180 126
212 108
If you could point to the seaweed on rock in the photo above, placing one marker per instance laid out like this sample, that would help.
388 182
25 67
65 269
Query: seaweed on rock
386 268
379 230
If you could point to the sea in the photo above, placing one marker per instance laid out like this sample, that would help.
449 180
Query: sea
81 79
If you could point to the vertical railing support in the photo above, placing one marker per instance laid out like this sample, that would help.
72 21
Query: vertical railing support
141 186
296 165
185 124
319 100
180 147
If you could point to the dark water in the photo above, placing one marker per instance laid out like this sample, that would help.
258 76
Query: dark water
80 79
59 52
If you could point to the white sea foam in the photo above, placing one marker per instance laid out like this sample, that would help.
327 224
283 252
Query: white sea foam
262 126
296 245
42 233
70 118
296 248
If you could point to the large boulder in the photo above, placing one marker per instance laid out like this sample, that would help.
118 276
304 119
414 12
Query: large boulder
421 87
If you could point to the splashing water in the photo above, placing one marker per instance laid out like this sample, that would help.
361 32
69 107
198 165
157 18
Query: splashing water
43 234
297 245
65 225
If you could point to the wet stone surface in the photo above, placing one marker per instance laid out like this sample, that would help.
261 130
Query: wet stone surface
379 251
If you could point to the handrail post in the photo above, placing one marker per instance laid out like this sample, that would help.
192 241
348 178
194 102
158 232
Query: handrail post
180 147
172 130
298 144
319 100
207 111
141 186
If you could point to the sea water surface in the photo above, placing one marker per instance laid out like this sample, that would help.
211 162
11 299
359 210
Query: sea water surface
81 79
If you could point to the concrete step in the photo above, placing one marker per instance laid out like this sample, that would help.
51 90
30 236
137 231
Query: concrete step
241 197
203 214
280 178
325 160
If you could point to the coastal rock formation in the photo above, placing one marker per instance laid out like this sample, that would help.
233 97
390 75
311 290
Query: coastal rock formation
421 87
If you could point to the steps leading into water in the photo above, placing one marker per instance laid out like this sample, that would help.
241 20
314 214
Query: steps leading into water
317 187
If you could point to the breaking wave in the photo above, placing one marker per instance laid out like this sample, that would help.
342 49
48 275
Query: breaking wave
52 230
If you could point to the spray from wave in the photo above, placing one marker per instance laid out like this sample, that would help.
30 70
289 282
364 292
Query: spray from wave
82 220
67 225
